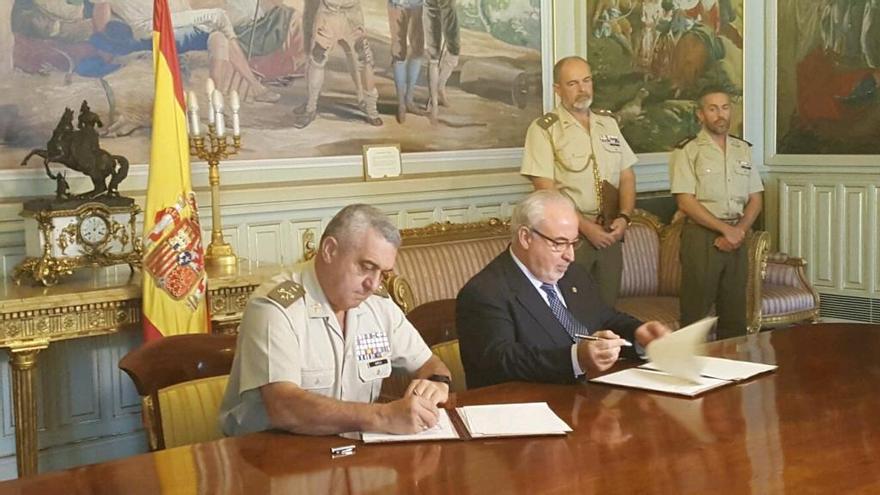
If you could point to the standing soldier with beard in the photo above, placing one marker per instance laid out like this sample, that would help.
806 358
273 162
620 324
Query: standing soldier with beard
573 149
718 188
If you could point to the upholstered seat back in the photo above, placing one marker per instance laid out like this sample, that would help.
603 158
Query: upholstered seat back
449 353
437 266
641 256
161 364
670 261
188 411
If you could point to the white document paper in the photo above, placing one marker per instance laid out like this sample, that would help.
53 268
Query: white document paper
660 382
443 430
676 353
501 420
725 369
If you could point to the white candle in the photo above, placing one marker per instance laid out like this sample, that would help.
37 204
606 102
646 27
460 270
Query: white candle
218 107
235 104
192 104
209 87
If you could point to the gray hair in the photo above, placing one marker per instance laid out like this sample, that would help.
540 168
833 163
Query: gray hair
557 67
530 211
357 219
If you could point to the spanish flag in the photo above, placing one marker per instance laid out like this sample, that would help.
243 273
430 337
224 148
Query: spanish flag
174 264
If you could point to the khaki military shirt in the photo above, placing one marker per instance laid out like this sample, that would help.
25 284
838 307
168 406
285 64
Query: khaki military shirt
561 151
721 183
289 333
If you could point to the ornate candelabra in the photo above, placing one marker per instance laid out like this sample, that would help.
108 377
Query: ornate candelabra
213 147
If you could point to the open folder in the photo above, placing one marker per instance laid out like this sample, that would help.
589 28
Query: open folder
675 368
495 420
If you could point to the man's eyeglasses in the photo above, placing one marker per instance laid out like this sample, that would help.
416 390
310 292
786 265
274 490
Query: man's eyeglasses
556 245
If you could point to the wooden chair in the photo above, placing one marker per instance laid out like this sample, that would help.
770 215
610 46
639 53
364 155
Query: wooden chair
181 381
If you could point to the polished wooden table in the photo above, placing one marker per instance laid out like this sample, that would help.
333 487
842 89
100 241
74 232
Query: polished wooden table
813 426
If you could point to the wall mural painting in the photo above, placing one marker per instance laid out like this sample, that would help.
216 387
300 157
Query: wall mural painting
828 63
318 79
651 58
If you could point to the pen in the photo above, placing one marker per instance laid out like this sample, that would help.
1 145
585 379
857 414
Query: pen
626 343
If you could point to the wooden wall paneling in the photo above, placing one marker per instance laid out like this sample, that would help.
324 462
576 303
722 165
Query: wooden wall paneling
854 222
824 252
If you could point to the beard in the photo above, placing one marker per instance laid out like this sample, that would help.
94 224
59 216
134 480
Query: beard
583 103
719 126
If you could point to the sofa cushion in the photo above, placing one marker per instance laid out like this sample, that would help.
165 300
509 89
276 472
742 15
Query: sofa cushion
641 250
670 262
440 270
662 308
779 299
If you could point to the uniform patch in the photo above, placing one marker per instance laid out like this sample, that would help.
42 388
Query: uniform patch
741 139
372 345
547 120
382 290
286 293
684 141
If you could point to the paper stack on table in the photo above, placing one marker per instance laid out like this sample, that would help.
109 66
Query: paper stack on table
675 368
510 420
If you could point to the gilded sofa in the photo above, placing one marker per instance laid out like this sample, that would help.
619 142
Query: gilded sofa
435 261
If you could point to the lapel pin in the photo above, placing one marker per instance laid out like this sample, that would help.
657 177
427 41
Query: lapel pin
574 289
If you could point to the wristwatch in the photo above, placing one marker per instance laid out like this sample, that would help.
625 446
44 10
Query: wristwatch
625 217
440 379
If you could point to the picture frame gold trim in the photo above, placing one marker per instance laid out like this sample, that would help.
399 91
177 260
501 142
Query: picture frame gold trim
772 157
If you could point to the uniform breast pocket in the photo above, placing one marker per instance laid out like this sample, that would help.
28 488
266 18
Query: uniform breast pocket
741 173
710 181
317 379
375 369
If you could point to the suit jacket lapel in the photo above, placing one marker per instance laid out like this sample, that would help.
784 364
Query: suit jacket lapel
531 301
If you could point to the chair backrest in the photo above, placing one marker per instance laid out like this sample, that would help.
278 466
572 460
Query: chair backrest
435 322
188 411
450 354
439 259
641 259
169 361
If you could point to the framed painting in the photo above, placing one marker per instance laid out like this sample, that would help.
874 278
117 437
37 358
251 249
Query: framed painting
651 58
318 78
823 102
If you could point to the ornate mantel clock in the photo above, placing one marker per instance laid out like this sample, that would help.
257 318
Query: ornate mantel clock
95 228
98 232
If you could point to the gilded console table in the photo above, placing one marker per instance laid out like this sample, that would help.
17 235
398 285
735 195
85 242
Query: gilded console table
93 302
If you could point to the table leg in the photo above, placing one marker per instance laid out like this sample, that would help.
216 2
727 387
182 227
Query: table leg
23 362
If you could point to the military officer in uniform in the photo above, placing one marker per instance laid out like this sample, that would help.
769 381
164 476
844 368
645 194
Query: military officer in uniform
719 189
574 149
315 344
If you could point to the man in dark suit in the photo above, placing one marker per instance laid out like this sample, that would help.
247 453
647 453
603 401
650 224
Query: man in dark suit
520 318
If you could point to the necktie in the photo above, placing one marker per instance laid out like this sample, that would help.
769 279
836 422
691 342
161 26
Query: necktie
568 321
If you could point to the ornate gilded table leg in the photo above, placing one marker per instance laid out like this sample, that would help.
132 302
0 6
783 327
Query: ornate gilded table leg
23 361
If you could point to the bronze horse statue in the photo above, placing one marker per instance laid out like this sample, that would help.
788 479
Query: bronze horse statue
78 150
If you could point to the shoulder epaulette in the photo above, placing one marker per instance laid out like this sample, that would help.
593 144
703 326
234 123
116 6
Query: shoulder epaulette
684 141
382 290
741 139
604 112
286 293
548 119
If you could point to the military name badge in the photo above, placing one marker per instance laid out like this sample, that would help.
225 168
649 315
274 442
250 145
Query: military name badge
373 353
610 140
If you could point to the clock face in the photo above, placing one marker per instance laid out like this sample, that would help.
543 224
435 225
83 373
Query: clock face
94 230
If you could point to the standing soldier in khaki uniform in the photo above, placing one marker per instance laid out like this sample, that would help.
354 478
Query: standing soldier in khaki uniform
574 149
315 344
718 188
